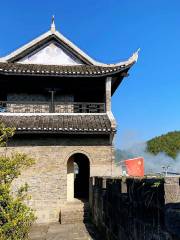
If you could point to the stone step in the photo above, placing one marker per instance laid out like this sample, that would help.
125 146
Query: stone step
74 212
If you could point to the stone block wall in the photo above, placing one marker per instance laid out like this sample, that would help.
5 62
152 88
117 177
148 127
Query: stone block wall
136 209
47 179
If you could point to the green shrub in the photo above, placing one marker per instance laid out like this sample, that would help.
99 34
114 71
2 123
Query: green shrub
15 217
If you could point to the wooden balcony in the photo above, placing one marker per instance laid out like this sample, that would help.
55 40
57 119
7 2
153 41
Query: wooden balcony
50 107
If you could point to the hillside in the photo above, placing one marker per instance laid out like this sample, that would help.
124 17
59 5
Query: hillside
168 143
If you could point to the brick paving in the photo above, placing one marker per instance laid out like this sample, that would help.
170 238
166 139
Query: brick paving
55 231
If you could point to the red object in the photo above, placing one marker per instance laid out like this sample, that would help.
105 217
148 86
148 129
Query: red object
135 167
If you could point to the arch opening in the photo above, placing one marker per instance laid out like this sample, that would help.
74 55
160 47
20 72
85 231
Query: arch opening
78 173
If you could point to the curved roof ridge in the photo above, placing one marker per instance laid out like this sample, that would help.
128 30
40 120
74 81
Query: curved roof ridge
42 37
13 55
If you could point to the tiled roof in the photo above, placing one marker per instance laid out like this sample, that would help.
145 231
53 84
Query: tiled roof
80 123
56 70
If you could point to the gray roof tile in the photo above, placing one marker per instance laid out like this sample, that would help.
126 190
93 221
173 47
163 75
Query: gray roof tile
64 71
58 123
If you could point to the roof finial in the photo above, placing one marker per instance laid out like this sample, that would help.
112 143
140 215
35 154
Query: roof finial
53 27
134 57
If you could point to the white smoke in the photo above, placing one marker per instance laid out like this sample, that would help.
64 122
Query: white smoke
154 163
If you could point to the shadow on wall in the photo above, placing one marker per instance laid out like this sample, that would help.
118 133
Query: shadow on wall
90 227
172 219
56 140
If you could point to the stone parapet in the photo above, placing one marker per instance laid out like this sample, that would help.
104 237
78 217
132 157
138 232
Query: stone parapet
134 208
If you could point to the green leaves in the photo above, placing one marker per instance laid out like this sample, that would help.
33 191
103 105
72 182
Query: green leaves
15 217
11 166
5 134
168 143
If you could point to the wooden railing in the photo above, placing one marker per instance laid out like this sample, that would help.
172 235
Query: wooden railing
49 107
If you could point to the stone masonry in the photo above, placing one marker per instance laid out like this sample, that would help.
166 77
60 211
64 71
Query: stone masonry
47 179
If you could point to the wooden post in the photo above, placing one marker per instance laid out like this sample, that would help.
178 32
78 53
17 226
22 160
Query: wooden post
108 94
52 108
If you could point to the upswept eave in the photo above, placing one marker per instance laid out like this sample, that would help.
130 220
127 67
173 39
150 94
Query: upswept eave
63 71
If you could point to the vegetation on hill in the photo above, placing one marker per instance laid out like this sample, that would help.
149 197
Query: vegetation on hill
168 143
15 217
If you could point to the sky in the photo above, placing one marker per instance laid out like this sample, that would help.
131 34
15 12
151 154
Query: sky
147 103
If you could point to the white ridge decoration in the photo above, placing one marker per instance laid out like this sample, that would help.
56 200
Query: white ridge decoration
53 27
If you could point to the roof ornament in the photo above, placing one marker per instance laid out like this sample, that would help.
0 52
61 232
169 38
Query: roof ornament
53 27
134 57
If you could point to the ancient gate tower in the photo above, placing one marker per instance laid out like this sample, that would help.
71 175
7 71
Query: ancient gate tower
59 100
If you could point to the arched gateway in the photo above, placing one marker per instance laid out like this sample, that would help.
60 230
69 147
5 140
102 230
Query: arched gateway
78 173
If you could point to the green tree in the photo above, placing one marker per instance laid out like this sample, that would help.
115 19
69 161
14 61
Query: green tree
15 217
168 143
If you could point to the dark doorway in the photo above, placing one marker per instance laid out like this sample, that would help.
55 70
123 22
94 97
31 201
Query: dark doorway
81 176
